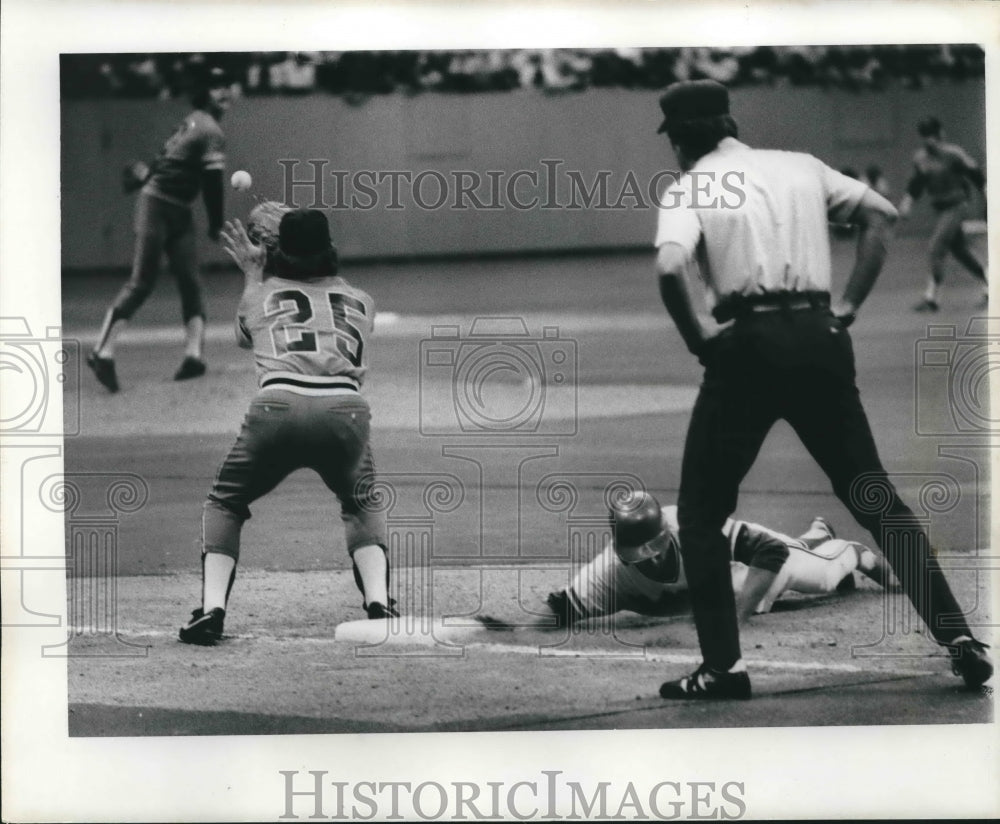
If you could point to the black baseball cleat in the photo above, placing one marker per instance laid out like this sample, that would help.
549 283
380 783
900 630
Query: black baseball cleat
705 683
104 371
190 368
204 630
926 305
969 660
377 609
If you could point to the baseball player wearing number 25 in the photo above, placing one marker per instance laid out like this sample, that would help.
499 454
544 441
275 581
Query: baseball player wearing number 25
309 331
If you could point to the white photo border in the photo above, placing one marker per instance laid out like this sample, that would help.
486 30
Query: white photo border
846 772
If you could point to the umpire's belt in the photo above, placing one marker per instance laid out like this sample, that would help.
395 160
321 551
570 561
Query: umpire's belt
741 306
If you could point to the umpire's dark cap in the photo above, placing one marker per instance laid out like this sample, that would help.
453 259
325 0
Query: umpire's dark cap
693 100
304 232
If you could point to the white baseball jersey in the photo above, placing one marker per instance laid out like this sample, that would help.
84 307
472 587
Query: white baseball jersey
757 220
606 585
307 334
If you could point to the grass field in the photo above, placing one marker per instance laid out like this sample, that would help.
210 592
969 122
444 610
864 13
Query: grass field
485 534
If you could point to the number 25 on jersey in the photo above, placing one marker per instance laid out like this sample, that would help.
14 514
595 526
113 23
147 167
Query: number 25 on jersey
298 328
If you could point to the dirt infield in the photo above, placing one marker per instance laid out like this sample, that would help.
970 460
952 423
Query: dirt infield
280 670
499 534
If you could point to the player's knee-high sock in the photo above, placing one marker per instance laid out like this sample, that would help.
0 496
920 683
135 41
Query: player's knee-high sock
373 569
111 328
936 277
194 336
931 291
219 572
221 548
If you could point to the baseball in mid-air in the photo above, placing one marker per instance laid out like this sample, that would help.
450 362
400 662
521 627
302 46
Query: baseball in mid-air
241 180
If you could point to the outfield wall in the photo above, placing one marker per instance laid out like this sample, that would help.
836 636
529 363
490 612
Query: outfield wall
548 135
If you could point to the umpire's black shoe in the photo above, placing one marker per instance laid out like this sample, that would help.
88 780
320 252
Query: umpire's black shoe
708 683
104 371
190 368
376 609
969 659
204 630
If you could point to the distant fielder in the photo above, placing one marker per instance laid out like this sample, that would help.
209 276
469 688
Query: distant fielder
641 569
948 175
309 331
191 161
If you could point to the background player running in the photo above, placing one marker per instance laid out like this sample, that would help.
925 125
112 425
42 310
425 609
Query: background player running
948 174
641 569
191 160
309 331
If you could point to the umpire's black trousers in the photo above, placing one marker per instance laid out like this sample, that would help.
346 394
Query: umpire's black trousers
797 365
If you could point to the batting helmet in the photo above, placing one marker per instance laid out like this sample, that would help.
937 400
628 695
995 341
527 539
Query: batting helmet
636 524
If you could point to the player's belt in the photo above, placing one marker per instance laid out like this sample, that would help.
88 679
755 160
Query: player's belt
740 306
307 383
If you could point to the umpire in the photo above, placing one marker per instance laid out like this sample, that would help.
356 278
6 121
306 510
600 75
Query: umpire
756 223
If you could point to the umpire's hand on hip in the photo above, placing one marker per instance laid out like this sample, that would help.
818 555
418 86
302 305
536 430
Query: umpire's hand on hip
845 313
705 351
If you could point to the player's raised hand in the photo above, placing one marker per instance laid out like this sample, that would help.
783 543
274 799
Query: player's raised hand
244 252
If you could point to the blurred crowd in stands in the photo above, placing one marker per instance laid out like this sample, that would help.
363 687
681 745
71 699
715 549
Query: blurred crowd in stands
360 74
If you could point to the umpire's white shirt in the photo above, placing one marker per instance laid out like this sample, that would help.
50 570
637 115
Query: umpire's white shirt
756 220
